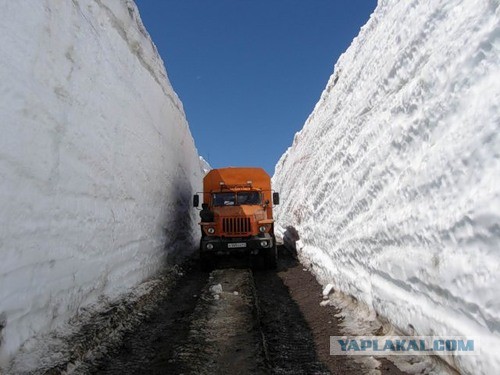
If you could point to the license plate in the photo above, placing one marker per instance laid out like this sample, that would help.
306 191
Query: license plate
236 245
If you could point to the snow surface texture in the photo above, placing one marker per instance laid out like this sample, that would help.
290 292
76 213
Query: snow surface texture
390 191
97 162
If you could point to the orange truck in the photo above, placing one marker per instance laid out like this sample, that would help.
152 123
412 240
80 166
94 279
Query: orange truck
237 215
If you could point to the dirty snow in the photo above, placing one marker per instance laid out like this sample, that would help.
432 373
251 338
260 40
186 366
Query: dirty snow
390 191
97 163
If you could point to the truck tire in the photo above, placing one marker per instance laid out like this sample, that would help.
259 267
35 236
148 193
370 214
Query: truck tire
272 258
207 262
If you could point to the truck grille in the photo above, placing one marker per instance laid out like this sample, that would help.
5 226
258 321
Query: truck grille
236 225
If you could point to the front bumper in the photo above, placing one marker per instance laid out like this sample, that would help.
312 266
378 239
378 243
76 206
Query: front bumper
223 245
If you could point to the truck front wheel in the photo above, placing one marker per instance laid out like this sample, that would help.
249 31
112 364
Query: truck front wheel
207 262
272 258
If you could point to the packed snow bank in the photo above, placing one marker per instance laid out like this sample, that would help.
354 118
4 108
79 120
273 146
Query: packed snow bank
97 162
390 191
205 166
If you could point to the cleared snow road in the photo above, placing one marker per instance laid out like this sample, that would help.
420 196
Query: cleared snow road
234 321
229 321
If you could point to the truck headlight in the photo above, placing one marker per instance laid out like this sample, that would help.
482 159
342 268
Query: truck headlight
263 243
211 230
262 229
210 246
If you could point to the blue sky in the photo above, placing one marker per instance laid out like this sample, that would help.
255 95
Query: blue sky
249 72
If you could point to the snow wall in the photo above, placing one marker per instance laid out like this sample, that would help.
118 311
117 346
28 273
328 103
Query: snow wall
97 162
391 188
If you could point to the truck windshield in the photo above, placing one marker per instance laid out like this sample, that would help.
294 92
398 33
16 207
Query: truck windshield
249 197
224 199
232 199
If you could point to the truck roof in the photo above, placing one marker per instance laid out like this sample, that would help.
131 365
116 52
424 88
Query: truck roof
234 176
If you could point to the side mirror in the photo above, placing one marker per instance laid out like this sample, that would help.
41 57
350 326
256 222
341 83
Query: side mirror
276 198
196 200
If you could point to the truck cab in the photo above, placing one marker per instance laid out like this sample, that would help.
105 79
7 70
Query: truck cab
237 215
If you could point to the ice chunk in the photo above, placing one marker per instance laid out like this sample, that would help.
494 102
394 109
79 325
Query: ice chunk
327 290
216 289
